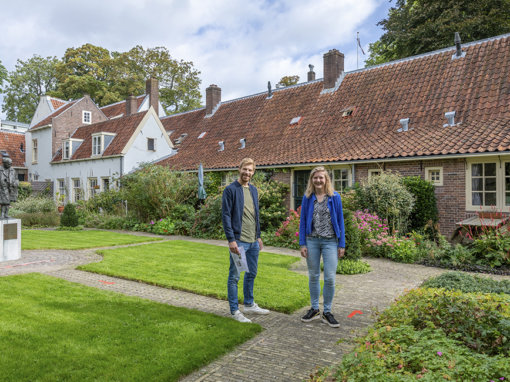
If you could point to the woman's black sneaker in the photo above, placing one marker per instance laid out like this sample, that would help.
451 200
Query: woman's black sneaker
329 319
312 314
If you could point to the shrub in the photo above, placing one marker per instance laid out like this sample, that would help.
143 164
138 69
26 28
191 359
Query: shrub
372 231
492 248
106 221
424 212
183 218
386 196
288 232
208 219
33 204
109 201
349 200
480 322
352 237
39 219
69 217
272 207
352 267
401 249
467 283
24 190
153 191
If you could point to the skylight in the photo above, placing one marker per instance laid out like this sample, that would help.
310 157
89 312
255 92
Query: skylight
202 134
295 120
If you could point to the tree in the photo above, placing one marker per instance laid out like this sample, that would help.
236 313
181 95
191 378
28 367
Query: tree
3 75
26 84
178 80
289 80
419 26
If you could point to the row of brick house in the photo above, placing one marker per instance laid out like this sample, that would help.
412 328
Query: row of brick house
443 116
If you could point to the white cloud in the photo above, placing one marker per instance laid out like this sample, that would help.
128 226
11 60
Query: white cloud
237 44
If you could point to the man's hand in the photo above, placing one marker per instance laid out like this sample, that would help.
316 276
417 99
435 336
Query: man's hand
232 246
304 252
261 245
341 252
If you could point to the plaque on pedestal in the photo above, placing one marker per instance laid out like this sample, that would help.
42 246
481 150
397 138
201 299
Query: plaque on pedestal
10 239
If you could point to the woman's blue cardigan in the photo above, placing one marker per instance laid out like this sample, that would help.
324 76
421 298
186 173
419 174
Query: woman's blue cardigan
337 218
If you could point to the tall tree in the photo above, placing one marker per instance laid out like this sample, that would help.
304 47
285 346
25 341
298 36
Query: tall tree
86 70
289 80
420 26
26 84
178 80
3 75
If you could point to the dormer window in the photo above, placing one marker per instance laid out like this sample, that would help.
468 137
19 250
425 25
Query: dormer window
66 150
347 112
100 142
151 144
222 145
450 118
87 117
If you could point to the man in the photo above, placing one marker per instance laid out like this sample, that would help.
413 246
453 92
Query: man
240 215
8 186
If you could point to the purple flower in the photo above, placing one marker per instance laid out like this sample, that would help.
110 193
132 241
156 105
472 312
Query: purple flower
439 353
152 221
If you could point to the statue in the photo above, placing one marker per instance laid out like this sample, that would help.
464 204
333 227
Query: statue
8 186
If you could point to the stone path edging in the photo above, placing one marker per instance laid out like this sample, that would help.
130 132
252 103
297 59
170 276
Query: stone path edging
287 349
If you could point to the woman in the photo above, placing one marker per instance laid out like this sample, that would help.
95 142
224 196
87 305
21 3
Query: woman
321 231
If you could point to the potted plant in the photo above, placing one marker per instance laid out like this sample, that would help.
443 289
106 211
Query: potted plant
60 199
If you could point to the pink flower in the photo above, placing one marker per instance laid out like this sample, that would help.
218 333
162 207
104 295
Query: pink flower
297 233
152 221
277 233
439 353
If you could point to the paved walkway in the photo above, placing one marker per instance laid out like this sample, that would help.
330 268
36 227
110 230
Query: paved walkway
287 350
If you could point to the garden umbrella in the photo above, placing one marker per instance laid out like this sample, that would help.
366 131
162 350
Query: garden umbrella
201 190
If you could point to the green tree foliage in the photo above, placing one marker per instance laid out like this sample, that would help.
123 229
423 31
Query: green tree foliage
387 196
425 212
289 80
3 75
26 84
352 237
419 26
271 200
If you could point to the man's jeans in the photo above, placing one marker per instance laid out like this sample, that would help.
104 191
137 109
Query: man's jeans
329 250
252 258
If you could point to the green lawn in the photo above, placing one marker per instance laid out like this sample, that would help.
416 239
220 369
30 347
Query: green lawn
45 239
54 330
203 269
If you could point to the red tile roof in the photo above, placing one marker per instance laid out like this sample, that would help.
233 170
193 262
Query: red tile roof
12 143
123 127
421 88
119 108
56 103
49 118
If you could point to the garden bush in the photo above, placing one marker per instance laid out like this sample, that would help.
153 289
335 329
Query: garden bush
492 248
33 204
208 220
109 201
352 267
39 219
424 213
479 321
352 237
467 283
272 194
153 191
386 196
287 234
69 217
24 190
183 218
106 221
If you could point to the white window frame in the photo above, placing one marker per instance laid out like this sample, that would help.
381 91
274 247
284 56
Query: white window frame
97 144
104 181
428 175
61 187
500 184
334 180
153 144
77 192
66 149
92 186
86 117
35 151
228 178
374 172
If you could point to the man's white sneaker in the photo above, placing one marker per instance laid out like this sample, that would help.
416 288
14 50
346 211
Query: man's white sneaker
238 316
255 309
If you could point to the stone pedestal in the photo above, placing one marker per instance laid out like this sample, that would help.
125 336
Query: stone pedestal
10 239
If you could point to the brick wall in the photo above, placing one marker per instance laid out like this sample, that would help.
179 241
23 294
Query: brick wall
451 196
66 123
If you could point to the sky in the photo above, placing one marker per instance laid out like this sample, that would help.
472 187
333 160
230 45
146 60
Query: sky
238 45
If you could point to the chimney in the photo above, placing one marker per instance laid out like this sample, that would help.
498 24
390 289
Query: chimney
333 68
311 73
152 90
212 99
131 105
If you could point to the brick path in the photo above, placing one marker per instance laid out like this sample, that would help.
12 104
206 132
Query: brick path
287 350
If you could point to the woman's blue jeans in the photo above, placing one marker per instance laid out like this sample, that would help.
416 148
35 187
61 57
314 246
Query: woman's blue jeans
252 258
329 250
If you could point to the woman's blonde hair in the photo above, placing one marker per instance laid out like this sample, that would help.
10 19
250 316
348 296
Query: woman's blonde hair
328 186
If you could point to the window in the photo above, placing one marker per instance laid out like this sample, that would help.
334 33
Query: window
66 150
340 179
87 117
93 187
35 152
76 190
483 184
151 144
374 172
106 184
96 144
507 184
228 178
434 175
61 183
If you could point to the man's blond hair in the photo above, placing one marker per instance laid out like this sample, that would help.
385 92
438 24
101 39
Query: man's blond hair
246 161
